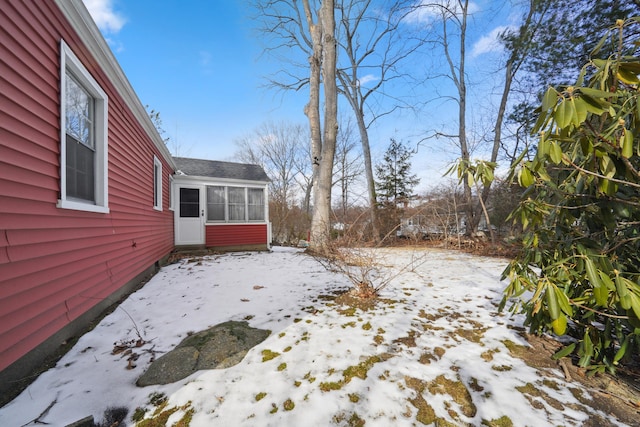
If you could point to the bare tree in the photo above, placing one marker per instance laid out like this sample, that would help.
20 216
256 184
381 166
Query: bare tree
307 28
277 148
373 47
321 220
453 16
348 166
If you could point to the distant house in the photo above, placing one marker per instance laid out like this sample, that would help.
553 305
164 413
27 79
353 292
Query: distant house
221 205
90 201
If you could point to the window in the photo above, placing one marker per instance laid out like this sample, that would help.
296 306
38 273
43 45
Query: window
255 202
216 203
157 184
235 204
189 203
83 136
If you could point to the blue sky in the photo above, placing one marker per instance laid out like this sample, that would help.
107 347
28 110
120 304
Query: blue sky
199 64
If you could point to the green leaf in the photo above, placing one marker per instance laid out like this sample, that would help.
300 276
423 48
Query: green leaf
543 145
600 291
525 177
592 272
552 303
606 280
597 93
586 349
627 143
627 76
550 99
564 351
581 110
555 152
541 121
601 43
621 286
602 294
470 180
563 301
563 114
607 167
595 106
635 304
622 350
559 325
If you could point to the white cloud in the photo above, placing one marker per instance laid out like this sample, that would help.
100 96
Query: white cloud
106 18
489 43
426 11
366 79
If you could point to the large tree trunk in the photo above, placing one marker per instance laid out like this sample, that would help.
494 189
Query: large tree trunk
312 109
320 223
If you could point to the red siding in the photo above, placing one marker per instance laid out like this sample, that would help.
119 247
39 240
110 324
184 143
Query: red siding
56 264
236 235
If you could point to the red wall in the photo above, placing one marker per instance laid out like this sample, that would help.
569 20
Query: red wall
236 235
55 264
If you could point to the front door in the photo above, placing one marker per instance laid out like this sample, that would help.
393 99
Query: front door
190 216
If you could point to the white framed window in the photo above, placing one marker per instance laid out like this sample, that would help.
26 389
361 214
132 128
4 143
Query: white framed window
83 137
216 203
157 184
235 204
255 204
236 201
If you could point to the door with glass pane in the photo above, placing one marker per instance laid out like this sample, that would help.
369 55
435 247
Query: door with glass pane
190 215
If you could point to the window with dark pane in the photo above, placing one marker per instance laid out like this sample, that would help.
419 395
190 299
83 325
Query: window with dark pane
189 202
80 145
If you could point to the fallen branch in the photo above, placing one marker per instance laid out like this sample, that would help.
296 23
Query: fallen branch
38 420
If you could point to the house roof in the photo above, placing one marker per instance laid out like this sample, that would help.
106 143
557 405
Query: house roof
218 169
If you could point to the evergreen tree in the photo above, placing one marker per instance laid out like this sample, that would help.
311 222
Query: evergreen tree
570 32
395 182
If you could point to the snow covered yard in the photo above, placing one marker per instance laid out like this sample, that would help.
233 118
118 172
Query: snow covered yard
434 350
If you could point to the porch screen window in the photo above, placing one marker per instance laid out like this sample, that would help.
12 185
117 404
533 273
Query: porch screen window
216 202
255 203
236 204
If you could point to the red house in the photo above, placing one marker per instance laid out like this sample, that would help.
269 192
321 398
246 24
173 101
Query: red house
86 185
221 205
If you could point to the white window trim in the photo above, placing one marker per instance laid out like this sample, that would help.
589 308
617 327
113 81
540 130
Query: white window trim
157 184
70 62
172 196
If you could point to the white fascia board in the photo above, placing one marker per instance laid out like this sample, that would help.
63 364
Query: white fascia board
205 180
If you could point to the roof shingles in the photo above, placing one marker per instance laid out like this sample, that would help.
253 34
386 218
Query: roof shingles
218 169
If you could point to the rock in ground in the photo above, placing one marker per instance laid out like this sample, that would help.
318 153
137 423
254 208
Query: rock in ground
221 346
